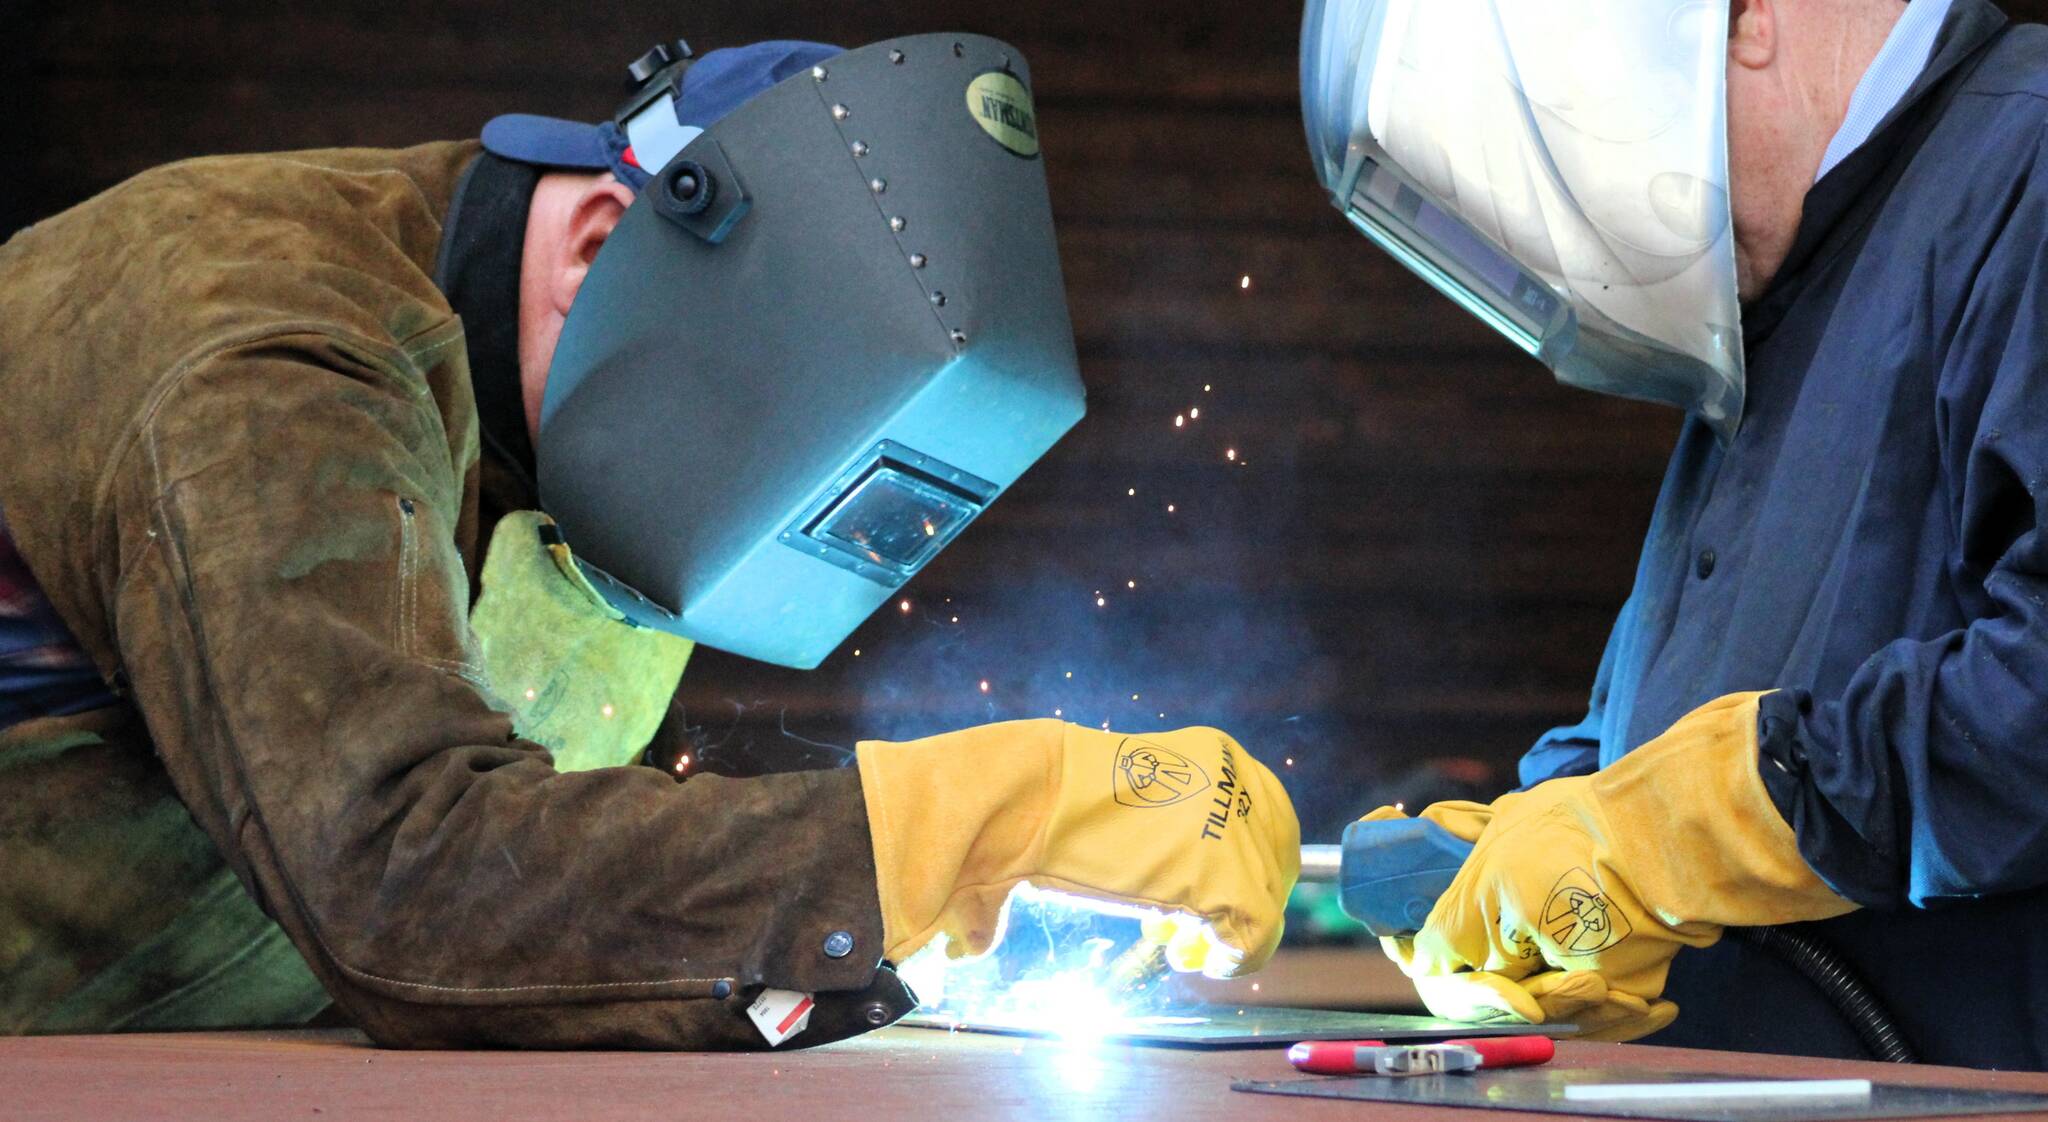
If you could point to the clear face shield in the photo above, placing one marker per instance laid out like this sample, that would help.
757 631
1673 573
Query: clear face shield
1559 169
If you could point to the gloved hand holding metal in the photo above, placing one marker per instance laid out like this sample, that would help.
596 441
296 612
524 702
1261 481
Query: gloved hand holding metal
1580 891
1181 823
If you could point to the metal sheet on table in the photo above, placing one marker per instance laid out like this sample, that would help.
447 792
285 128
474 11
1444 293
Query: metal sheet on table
1542 1090
1207 1026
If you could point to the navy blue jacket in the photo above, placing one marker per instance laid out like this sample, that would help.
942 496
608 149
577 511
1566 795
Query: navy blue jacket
1871 544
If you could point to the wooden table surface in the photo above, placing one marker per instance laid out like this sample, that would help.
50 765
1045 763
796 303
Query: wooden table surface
897 1073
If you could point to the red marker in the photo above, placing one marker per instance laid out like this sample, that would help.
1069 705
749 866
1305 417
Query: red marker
1355 1057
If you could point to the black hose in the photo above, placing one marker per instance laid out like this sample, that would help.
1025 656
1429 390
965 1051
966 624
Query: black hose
1843 987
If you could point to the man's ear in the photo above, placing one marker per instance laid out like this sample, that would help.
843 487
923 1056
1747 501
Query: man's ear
591 220
1753 33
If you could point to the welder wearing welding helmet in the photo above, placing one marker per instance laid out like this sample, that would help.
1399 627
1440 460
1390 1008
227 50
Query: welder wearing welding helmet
1816 226
729 368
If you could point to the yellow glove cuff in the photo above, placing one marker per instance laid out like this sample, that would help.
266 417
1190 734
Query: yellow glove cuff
1688 824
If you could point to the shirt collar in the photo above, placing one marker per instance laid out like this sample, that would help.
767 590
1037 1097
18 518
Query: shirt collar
478 271
1897 66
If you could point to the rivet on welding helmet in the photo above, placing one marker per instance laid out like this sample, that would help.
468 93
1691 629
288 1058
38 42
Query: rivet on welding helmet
701 193
689 187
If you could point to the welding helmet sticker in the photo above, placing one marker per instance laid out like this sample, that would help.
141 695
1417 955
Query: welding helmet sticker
1150 776
1001 105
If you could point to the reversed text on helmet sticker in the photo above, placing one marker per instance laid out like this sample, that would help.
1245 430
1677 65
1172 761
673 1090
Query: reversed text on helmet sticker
1148 775
1579 918
1001 105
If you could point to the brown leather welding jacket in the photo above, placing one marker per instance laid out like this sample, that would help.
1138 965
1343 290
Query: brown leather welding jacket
239 450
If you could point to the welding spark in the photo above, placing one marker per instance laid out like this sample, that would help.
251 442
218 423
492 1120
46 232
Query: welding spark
930 530
1290 761
1179 420
1100 602
1070 673
1169 508
984 685
1206 387
1230 454
531 693
904 605
1244 282
1196 414
607 710
1130 584
683 764
1132 491
856 652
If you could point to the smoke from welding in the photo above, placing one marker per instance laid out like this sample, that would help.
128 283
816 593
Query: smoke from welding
1168 621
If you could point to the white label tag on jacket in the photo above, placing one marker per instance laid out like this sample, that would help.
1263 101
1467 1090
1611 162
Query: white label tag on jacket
780 1014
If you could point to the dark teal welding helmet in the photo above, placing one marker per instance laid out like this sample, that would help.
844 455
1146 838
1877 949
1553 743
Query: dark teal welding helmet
827 335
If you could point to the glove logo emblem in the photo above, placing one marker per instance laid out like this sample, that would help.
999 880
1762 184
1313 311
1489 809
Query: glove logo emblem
1149 776
1580 919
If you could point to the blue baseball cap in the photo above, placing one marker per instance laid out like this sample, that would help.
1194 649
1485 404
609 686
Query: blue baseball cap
716 84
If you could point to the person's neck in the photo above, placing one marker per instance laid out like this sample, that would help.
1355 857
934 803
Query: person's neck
1820 83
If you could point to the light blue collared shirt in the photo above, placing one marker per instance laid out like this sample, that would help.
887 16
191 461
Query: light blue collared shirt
1897 66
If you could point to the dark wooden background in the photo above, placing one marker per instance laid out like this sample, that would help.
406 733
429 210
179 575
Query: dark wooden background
1414 566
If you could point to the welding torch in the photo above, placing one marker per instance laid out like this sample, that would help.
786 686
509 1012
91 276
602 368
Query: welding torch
1388 872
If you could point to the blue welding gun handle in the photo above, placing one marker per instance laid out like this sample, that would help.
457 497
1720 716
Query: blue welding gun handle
1394 870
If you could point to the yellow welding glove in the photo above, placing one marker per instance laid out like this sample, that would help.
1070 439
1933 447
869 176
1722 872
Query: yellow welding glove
1577 997
1183 823
1579 892
1465 821
577 678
